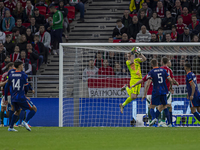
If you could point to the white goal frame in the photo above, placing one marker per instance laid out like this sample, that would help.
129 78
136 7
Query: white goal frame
62 45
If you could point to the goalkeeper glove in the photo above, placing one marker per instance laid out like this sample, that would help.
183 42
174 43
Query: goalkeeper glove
133 50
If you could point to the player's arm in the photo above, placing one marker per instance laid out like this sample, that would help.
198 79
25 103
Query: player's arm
171 83
3 83
175 82
146 88
139 82
193 89
143 58
132 58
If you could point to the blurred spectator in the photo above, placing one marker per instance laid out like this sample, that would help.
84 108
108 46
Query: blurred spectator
41 3
119 30
194 5
34 27
10 4
185 3
27 63
18 11
8 22
168 37
33 56
168 21
15 55
148 11
196 63
44 37
78 6
112 58
57 28
125 38
177 10
2 54
174 34
106 69
98 61
135 5
64 12
118 69
2 37
90 71
180 66
198 13
29 35
22 29
110 40
194 26
154 22
180 25
47 25
39 47
134 28
23 2
187 18
169 4
143 35
126 19
160 9
9 45
4 64
153 38
160 35
15 36
28 12
143 19
186 36
22 42
195 38
39 19
2 11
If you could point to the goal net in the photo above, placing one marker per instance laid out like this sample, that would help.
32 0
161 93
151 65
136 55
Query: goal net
91 77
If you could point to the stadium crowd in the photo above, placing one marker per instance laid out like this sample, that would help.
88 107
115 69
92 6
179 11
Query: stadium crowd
30 30
151 21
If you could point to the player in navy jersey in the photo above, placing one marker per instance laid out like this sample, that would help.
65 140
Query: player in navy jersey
193 92
17 80
160 91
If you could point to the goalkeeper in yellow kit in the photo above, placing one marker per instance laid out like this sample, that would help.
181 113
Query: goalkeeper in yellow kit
133 65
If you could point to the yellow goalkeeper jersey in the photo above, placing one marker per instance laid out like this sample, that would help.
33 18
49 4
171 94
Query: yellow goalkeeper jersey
135 69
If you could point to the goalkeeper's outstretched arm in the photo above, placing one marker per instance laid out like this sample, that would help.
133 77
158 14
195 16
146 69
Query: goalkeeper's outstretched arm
143 58
139 82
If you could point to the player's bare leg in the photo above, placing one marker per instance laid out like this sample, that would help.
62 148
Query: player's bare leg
194 112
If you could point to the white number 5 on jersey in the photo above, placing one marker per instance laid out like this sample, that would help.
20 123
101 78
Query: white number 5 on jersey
160 78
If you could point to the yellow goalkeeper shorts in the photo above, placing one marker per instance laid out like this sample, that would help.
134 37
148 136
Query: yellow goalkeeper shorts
136 89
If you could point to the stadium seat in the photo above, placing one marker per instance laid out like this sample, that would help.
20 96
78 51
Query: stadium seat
131 15
71 13
8 33
116 41
153 32
42 10
26 24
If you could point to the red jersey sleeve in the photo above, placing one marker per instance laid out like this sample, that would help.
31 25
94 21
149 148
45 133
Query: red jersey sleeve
145 78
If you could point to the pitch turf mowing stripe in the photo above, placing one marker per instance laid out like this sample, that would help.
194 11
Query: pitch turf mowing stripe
100 138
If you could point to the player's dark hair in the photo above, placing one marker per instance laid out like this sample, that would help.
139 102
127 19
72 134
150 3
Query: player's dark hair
154 62
19 19
187 65
165 60
17 63
118 21
160 28
9 65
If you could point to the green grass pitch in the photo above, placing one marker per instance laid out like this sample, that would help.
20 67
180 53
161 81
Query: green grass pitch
100 138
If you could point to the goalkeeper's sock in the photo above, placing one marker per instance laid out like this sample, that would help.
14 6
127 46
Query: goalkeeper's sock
157 113
170 114
10 116
128 91
128 100
152 113
167 115
197 116
2 117
149 114
30 115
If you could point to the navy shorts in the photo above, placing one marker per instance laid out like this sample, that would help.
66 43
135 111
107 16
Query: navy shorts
195 102
159 100
26 104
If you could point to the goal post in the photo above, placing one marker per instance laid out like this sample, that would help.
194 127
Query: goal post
93 101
